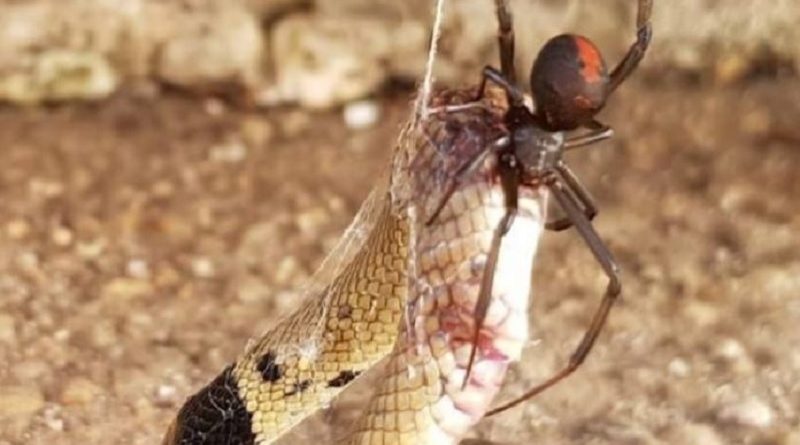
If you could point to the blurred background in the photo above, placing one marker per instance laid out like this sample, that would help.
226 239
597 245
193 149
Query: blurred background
173 170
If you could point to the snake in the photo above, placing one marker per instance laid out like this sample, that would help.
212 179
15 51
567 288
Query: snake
399 290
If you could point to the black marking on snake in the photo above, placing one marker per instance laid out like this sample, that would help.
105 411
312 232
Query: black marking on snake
298 387
269 370
343 378
216 415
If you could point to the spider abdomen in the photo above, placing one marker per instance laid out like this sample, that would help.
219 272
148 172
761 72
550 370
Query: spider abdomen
569 82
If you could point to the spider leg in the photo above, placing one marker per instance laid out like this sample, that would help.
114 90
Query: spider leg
606 260
636 52
464 171
509 181
515 95
505 39
597 132
579 194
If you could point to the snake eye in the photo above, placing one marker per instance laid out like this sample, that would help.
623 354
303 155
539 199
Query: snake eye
569 82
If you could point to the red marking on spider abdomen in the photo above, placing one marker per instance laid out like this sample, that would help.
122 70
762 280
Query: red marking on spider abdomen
591 59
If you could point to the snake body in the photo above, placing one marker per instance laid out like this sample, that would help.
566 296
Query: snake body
409 291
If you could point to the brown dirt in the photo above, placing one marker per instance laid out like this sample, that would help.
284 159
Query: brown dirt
144 240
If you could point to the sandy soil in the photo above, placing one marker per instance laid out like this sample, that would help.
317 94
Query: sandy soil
145 239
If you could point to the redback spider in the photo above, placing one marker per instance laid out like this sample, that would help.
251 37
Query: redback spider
570 85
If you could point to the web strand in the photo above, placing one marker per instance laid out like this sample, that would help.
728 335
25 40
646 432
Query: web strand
423 98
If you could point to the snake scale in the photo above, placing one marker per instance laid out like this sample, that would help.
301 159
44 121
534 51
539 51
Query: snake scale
403 289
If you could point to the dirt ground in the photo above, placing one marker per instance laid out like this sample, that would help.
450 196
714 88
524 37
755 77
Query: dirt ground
143 240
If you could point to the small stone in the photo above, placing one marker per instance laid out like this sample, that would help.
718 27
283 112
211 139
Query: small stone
52 418
361 114
701 314
28 260
214 107
203 268
62 335
167 276
62 236
251 290
126 288
20 401
103 335
678 367
256 132
80 391
46 188
731 68
231 152
138 268
91 249
730 349
751 412
7 333
757 122
287 268
166 395
163 189
18 229
694 433
311 221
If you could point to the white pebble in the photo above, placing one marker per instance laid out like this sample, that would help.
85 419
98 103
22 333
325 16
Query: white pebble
230 152
731 349
361 114
752 412
52 418
166 395
138 268
678 367
62 236
203 268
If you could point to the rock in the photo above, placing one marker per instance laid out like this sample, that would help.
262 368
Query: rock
20 401
329 52
218 46
52 53
752 412
320 61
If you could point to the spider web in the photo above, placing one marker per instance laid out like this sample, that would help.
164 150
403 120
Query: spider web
390 190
